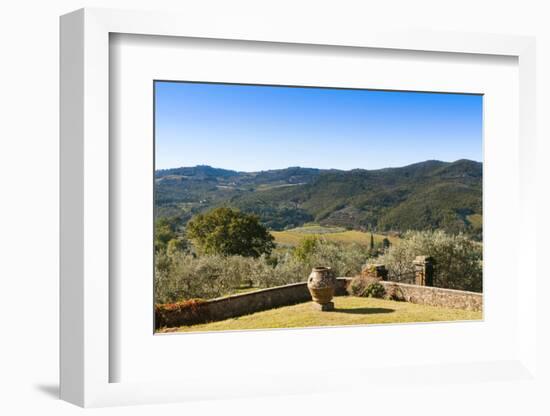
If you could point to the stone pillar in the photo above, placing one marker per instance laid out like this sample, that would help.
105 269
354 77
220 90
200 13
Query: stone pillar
424 270
376 270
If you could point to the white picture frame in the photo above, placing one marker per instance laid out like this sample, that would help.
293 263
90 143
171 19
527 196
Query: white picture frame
86 353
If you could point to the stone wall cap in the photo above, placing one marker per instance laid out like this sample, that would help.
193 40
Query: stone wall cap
432 288
264 290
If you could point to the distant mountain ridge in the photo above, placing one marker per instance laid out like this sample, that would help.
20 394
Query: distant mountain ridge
425 195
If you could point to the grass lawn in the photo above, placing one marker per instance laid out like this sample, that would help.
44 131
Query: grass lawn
294 236
349 311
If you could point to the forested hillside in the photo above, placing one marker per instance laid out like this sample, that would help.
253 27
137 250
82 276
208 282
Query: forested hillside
426 195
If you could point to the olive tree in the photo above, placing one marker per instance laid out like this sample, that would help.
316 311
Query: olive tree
458 259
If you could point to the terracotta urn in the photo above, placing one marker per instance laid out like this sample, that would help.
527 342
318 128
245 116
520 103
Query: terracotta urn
321 284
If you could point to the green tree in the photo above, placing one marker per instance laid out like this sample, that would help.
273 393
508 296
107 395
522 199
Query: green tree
458 259
176 245
227 232
167 237
164 232
306 248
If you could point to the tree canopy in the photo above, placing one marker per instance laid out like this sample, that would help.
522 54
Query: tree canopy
167 237
227 232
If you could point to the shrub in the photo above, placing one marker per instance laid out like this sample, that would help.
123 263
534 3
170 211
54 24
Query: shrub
192 311
167 236
184 276
175 245
375 290
180 275
306 248
365 286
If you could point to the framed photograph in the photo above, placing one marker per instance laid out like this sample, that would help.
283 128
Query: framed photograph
259 207
257 211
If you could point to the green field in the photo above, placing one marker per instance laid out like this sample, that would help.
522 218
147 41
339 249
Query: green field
476 221
349 311
294 236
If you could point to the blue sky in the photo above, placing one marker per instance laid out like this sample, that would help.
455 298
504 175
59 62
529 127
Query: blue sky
252 128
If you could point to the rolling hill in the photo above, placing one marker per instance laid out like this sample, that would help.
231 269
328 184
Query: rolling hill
425 195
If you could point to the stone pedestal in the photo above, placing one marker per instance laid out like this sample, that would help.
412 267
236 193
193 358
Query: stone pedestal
323 307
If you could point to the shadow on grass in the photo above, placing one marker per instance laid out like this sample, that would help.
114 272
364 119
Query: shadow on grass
364 311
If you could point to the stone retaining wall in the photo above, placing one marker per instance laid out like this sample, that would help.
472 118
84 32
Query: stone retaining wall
434 296
274 297
242 304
